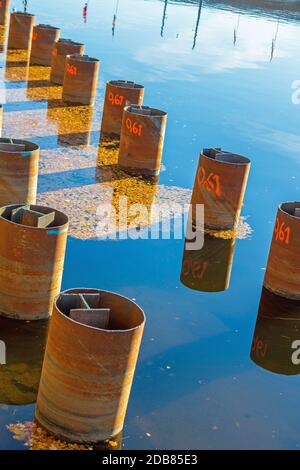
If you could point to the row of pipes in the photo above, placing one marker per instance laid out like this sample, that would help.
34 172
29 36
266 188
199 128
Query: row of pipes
94 336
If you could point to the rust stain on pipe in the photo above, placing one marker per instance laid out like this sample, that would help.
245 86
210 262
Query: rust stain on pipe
61 49
142 140
20 30
4 11
220 185
19 165
283 268
80 80
119 93
31 264
43 39
88 372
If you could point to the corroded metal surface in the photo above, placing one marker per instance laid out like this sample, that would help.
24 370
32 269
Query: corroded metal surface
142 139
4 11
18 171
87 372
220 185
276 345
31 262
283 268
80 80
60 50
43 39
20 30
119 93
24 351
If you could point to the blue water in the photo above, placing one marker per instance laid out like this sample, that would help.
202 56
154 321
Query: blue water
195 385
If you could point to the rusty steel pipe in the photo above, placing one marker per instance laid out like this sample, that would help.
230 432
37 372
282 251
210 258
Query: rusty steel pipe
43 38
61 49
208 269
80 79
142 140
4 11
20 30
22 346
32 255
19 166
220 185
89 367
119 93
283 269
276 339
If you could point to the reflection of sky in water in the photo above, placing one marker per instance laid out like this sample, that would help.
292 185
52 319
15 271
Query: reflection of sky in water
195 385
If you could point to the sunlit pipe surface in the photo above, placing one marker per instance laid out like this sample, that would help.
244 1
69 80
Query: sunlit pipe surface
61 49
18 171
119 93
32 261
142 140
220 185
43 38
87 372
20 30
80 79
283 269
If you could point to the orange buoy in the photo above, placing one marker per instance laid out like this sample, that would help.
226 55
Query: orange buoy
142 140
92 349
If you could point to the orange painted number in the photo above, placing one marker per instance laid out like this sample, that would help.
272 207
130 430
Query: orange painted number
116 100
195 268
259 347
282 232
34 36
134 127
71 70
54 52
209 182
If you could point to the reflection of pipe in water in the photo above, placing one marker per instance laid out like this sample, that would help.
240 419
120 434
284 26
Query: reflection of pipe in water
74 124
197 24
2 38
164 18
115 19
20 376
16 65
235 31
208 269
273 44
276 340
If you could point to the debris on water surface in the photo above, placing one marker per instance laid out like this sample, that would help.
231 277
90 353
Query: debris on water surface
35 438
